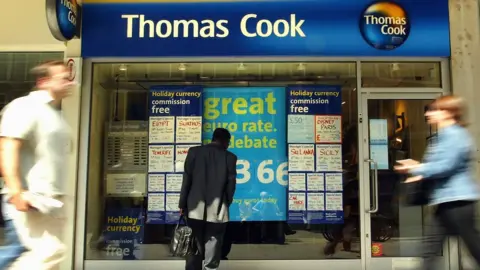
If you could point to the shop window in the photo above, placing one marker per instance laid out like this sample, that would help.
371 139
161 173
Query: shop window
119 222
402 74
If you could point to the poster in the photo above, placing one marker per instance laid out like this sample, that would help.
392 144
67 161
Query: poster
328 129
255 116
156 182
378 130
314 119
301 157
329 158
126 184
188 129
297 182
181 152
161 129
160 158
175 125
123 232
301 128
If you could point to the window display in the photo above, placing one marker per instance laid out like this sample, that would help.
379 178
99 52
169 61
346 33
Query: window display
294 128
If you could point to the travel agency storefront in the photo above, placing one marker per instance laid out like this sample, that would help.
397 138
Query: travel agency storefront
321 97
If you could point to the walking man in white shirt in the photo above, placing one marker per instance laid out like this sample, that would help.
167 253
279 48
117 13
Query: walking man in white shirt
35 142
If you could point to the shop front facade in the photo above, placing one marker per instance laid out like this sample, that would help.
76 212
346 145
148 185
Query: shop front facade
321 98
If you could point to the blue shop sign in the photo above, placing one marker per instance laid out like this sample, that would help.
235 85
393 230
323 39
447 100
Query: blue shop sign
267 28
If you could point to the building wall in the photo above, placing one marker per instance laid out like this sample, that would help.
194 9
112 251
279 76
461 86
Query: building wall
465 68
23 27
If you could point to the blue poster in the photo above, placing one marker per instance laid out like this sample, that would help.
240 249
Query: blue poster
334 28
123 232
255 116
314 136
175 125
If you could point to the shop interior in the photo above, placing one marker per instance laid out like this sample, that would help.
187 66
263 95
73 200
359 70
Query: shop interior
119 95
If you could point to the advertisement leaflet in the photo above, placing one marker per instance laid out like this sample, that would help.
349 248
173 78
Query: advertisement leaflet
314 136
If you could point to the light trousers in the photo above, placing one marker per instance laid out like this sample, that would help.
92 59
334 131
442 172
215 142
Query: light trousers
42 236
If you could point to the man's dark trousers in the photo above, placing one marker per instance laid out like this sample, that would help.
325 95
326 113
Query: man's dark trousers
209 237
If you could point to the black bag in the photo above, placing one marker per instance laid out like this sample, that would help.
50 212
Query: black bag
417 193
183 242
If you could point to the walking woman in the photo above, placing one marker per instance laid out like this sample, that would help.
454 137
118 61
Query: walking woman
447 165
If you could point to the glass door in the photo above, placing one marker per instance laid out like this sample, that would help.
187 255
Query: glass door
393 128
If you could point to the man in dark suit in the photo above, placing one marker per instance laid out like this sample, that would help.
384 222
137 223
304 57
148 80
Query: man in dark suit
208 187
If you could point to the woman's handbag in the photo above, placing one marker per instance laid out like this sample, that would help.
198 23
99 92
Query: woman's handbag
183 243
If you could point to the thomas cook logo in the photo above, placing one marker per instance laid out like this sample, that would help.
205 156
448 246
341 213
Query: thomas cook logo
62 18
385 25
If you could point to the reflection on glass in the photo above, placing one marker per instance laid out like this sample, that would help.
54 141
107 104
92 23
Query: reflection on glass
397 229
116 225
401 74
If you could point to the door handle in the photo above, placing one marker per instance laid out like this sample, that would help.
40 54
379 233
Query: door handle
374 187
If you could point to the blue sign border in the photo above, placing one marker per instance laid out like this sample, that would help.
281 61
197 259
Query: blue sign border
332 28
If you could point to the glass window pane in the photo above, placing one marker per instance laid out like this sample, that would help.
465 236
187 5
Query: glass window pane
402 126
401 74
119 148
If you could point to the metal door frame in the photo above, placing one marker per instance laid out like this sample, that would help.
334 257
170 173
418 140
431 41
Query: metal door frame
450 259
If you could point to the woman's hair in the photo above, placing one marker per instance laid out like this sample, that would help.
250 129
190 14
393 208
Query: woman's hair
454 105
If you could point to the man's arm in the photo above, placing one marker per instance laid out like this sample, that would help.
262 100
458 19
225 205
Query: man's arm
187 179
15 127
232 177
10 159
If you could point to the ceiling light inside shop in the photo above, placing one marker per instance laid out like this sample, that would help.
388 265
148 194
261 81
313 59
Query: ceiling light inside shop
241 67
395 67
182 67
122 67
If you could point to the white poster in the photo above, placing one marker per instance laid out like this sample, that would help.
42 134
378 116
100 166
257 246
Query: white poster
334 202
296 181
315 182
334 181
160 158
316 202
189 129
126 184
328 129
181 152
296 201
156 183
379 142
172 200
174 182
301 157
329 158
162 129
301 128
156 202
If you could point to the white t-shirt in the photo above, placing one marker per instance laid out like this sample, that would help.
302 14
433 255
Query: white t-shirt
46 142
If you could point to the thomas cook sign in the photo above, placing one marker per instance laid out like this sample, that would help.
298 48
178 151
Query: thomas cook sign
63 18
